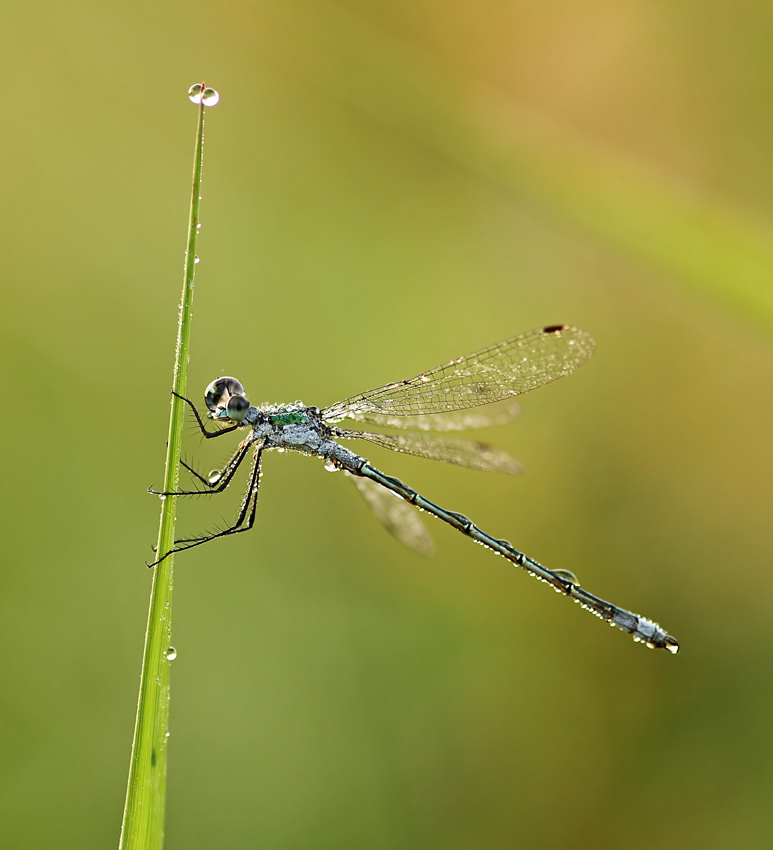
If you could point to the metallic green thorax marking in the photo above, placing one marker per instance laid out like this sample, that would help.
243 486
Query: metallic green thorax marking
291 418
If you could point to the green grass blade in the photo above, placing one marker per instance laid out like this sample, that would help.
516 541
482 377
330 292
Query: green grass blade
143 821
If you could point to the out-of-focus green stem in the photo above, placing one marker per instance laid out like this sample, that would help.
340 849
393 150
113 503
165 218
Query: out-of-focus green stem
693 238
143 821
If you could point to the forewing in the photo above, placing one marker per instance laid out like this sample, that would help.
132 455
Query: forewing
500 371
457 420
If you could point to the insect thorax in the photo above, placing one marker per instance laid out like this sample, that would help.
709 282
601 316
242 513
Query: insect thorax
291 426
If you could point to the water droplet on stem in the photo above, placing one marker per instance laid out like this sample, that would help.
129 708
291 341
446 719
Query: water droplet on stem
198 94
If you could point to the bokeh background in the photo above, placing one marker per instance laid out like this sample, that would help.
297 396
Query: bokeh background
388 185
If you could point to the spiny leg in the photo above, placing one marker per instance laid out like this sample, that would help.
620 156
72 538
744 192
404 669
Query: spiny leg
205 481
642 629
250 499
218 486
208 434
244 520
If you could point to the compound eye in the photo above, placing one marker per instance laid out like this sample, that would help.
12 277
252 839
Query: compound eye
220 395
237 407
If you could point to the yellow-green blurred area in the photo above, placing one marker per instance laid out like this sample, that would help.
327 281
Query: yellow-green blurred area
388 185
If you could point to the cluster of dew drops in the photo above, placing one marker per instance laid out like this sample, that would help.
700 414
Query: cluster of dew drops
198 94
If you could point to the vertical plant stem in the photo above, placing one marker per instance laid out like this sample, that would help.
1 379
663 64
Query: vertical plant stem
143 821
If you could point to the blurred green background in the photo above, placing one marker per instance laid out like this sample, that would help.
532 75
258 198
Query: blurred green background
388 185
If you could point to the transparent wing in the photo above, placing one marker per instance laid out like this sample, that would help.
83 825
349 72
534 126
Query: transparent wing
458 420
500 371
396 515
461 452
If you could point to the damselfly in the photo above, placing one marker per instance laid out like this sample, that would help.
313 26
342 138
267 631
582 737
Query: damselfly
434 400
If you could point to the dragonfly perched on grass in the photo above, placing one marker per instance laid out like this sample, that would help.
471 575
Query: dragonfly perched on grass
438 399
